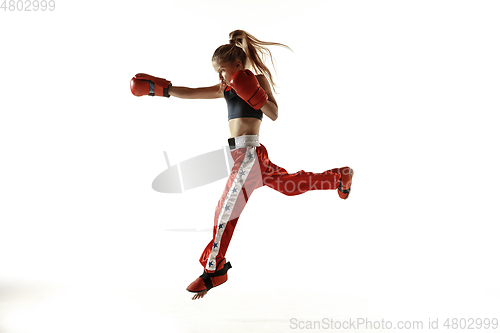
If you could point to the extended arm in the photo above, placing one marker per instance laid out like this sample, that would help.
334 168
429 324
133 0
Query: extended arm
197 93
144 84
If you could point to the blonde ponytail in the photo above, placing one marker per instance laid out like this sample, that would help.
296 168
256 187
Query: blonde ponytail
254 49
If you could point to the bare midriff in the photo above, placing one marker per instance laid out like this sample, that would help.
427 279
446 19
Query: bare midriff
244 126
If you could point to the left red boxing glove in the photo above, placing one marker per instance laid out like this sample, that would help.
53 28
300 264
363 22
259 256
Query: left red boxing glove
246 85
144 84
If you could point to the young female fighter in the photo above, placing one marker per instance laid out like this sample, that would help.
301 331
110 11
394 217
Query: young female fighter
248 97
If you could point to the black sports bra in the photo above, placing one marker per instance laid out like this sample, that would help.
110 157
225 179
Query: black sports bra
238 108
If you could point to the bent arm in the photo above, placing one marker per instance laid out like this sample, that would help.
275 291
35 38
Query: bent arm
215 91
270 109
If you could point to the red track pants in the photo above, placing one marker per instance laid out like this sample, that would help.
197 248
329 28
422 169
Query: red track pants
253 169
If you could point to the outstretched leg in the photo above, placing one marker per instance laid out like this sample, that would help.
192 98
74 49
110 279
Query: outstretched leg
300 182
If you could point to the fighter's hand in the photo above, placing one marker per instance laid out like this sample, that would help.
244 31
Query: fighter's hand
246 85
144 84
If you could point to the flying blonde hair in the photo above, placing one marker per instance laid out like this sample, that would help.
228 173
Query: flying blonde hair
245 47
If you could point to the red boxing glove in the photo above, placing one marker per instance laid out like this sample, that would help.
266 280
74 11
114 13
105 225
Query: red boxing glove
246 85
144 84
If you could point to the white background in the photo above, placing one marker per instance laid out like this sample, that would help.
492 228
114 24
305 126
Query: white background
404 92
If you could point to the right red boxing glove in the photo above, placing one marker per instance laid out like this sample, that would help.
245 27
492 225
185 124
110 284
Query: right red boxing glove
144 84
246 85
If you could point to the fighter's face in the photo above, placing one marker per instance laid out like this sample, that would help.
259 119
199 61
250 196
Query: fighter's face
226 70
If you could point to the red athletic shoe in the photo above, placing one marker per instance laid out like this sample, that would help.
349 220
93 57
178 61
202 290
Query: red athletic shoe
346 175
207 281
